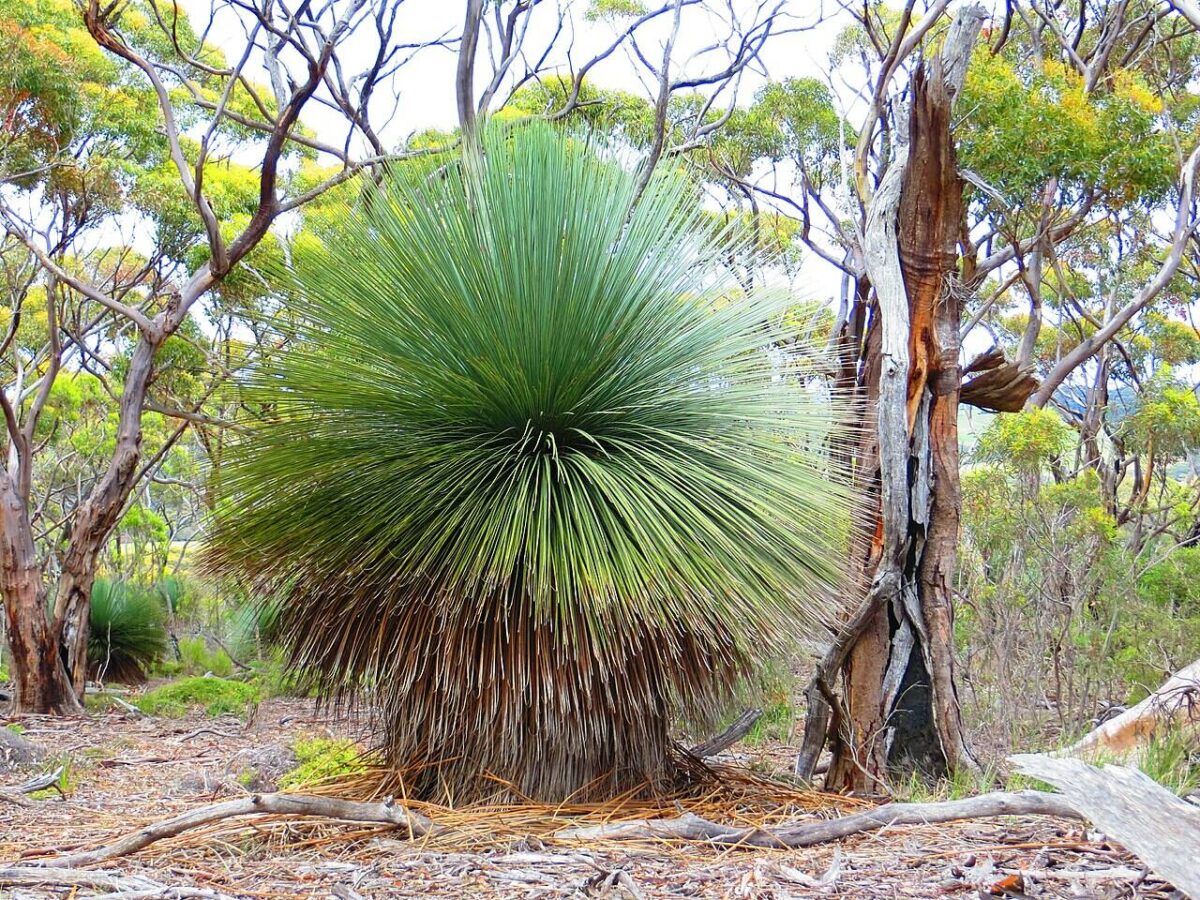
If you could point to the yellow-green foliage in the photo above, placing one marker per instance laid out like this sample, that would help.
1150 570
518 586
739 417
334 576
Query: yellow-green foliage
321 759
1110 140
1167 418
196 659
1025 440
217 696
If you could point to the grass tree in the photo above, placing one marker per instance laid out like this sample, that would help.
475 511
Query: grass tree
126 633
540 479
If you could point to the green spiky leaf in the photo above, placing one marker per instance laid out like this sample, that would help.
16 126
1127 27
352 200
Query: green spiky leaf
126 633
536 477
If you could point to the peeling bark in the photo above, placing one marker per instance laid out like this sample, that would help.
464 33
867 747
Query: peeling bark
40 679
899 709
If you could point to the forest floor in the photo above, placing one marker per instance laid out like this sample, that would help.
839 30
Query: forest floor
127 771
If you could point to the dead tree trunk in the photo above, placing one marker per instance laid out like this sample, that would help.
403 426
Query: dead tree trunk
898 709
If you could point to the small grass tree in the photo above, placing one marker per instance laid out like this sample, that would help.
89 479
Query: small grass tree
537 481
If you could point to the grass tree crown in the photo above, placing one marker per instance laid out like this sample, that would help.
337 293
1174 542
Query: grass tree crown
536 478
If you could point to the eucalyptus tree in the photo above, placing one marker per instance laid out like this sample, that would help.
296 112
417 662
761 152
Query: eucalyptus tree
155 109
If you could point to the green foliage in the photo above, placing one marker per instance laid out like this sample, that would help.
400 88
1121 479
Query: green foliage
1166 340
1027 440
1173 584
217 696
173 590
1058 608
1167 418
616 115
1173 760
771 690
794 120
778 720
254 628
547 491
126 632
1111 140
320 760
611 10
195 658
962 783
276 679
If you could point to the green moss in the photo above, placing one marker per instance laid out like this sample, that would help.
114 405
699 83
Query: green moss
15 728
217 696
320 759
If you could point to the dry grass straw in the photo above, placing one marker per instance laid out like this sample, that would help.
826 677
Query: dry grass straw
724 793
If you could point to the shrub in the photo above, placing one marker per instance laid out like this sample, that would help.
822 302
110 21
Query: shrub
1064 619
321 759
254 628
126 631
217 696
173 590
195 658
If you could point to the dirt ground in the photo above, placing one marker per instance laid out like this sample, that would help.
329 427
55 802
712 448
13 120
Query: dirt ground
125 772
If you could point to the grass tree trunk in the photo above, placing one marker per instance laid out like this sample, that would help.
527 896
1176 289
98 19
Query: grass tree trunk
898 710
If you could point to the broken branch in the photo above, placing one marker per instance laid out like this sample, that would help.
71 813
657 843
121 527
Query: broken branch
694 828
386 812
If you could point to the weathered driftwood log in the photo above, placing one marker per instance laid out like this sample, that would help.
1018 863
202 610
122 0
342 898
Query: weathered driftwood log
386 812
1176 704
1146 818
694 828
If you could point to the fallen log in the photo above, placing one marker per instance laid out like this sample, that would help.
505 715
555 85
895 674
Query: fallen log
690 827
1176 704
42 782
1146 818
386 812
